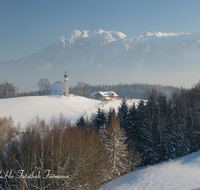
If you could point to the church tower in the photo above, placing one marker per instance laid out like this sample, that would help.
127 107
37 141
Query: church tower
66 83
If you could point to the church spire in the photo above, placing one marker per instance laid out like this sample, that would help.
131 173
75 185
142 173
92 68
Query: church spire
65 75
66 83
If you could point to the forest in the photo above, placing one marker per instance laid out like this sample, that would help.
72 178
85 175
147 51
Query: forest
93 151
131 91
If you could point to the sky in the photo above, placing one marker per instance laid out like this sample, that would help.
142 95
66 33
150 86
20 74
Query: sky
27 26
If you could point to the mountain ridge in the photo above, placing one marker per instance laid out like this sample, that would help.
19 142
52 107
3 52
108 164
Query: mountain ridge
111 57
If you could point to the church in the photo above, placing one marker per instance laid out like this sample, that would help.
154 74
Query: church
59 88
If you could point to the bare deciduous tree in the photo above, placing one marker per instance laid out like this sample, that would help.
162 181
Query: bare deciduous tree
7 131
82 89
7 90
44 85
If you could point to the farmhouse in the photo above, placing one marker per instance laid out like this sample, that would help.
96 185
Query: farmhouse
105 95
59 88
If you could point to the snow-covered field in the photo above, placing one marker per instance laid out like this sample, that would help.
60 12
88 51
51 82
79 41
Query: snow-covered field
179 174
24 109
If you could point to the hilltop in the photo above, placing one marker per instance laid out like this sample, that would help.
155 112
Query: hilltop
24 109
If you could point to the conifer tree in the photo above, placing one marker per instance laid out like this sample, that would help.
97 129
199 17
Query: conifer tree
100 118
161 121
123 113
131 124
147 140
110 113
169 138
80 122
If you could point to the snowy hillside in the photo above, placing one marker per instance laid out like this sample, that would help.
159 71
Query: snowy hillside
110 57
180 174
24 109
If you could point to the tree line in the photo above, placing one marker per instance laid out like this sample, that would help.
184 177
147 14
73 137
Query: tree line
131 91
8 90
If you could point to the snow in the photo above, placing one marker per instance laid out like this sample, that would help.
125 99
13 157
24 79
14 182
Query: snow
25 109
108 93
57 86
163 34
76 33
85 35
181 173
116 103
105 36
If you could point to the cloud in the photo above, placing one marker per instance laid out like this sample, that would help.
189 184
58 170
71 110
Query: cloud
45 67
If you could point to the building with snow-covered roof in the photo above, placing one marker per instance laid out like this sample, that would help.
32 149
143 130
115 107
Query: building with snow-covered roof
105 95
59 88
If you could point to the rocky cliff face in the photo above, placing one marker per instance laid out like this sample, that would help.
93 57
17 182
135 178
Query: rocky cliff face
110 57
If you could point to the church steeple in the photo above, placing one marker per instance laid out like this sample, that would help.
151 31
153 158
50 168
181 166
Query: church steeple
65 75
66 83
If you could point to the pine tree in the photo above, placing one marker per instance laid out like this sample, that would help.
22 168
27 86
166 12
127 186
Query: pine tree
100 118
144 135
169 136
131 123
161 121
123 113
147 140
81 122
110 113
180 112
103 133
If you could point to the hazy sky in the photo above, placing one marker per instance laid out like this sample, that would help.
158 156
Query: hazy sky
27 26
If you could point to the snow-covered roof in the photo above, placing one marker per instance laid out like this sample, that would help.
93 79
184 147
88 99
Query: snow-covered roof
110 92
104 93
107 98
94 93
57 86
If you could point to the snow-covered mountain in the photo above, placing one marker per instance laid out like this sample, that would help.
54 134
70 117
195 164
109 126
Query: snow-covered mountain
110 57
